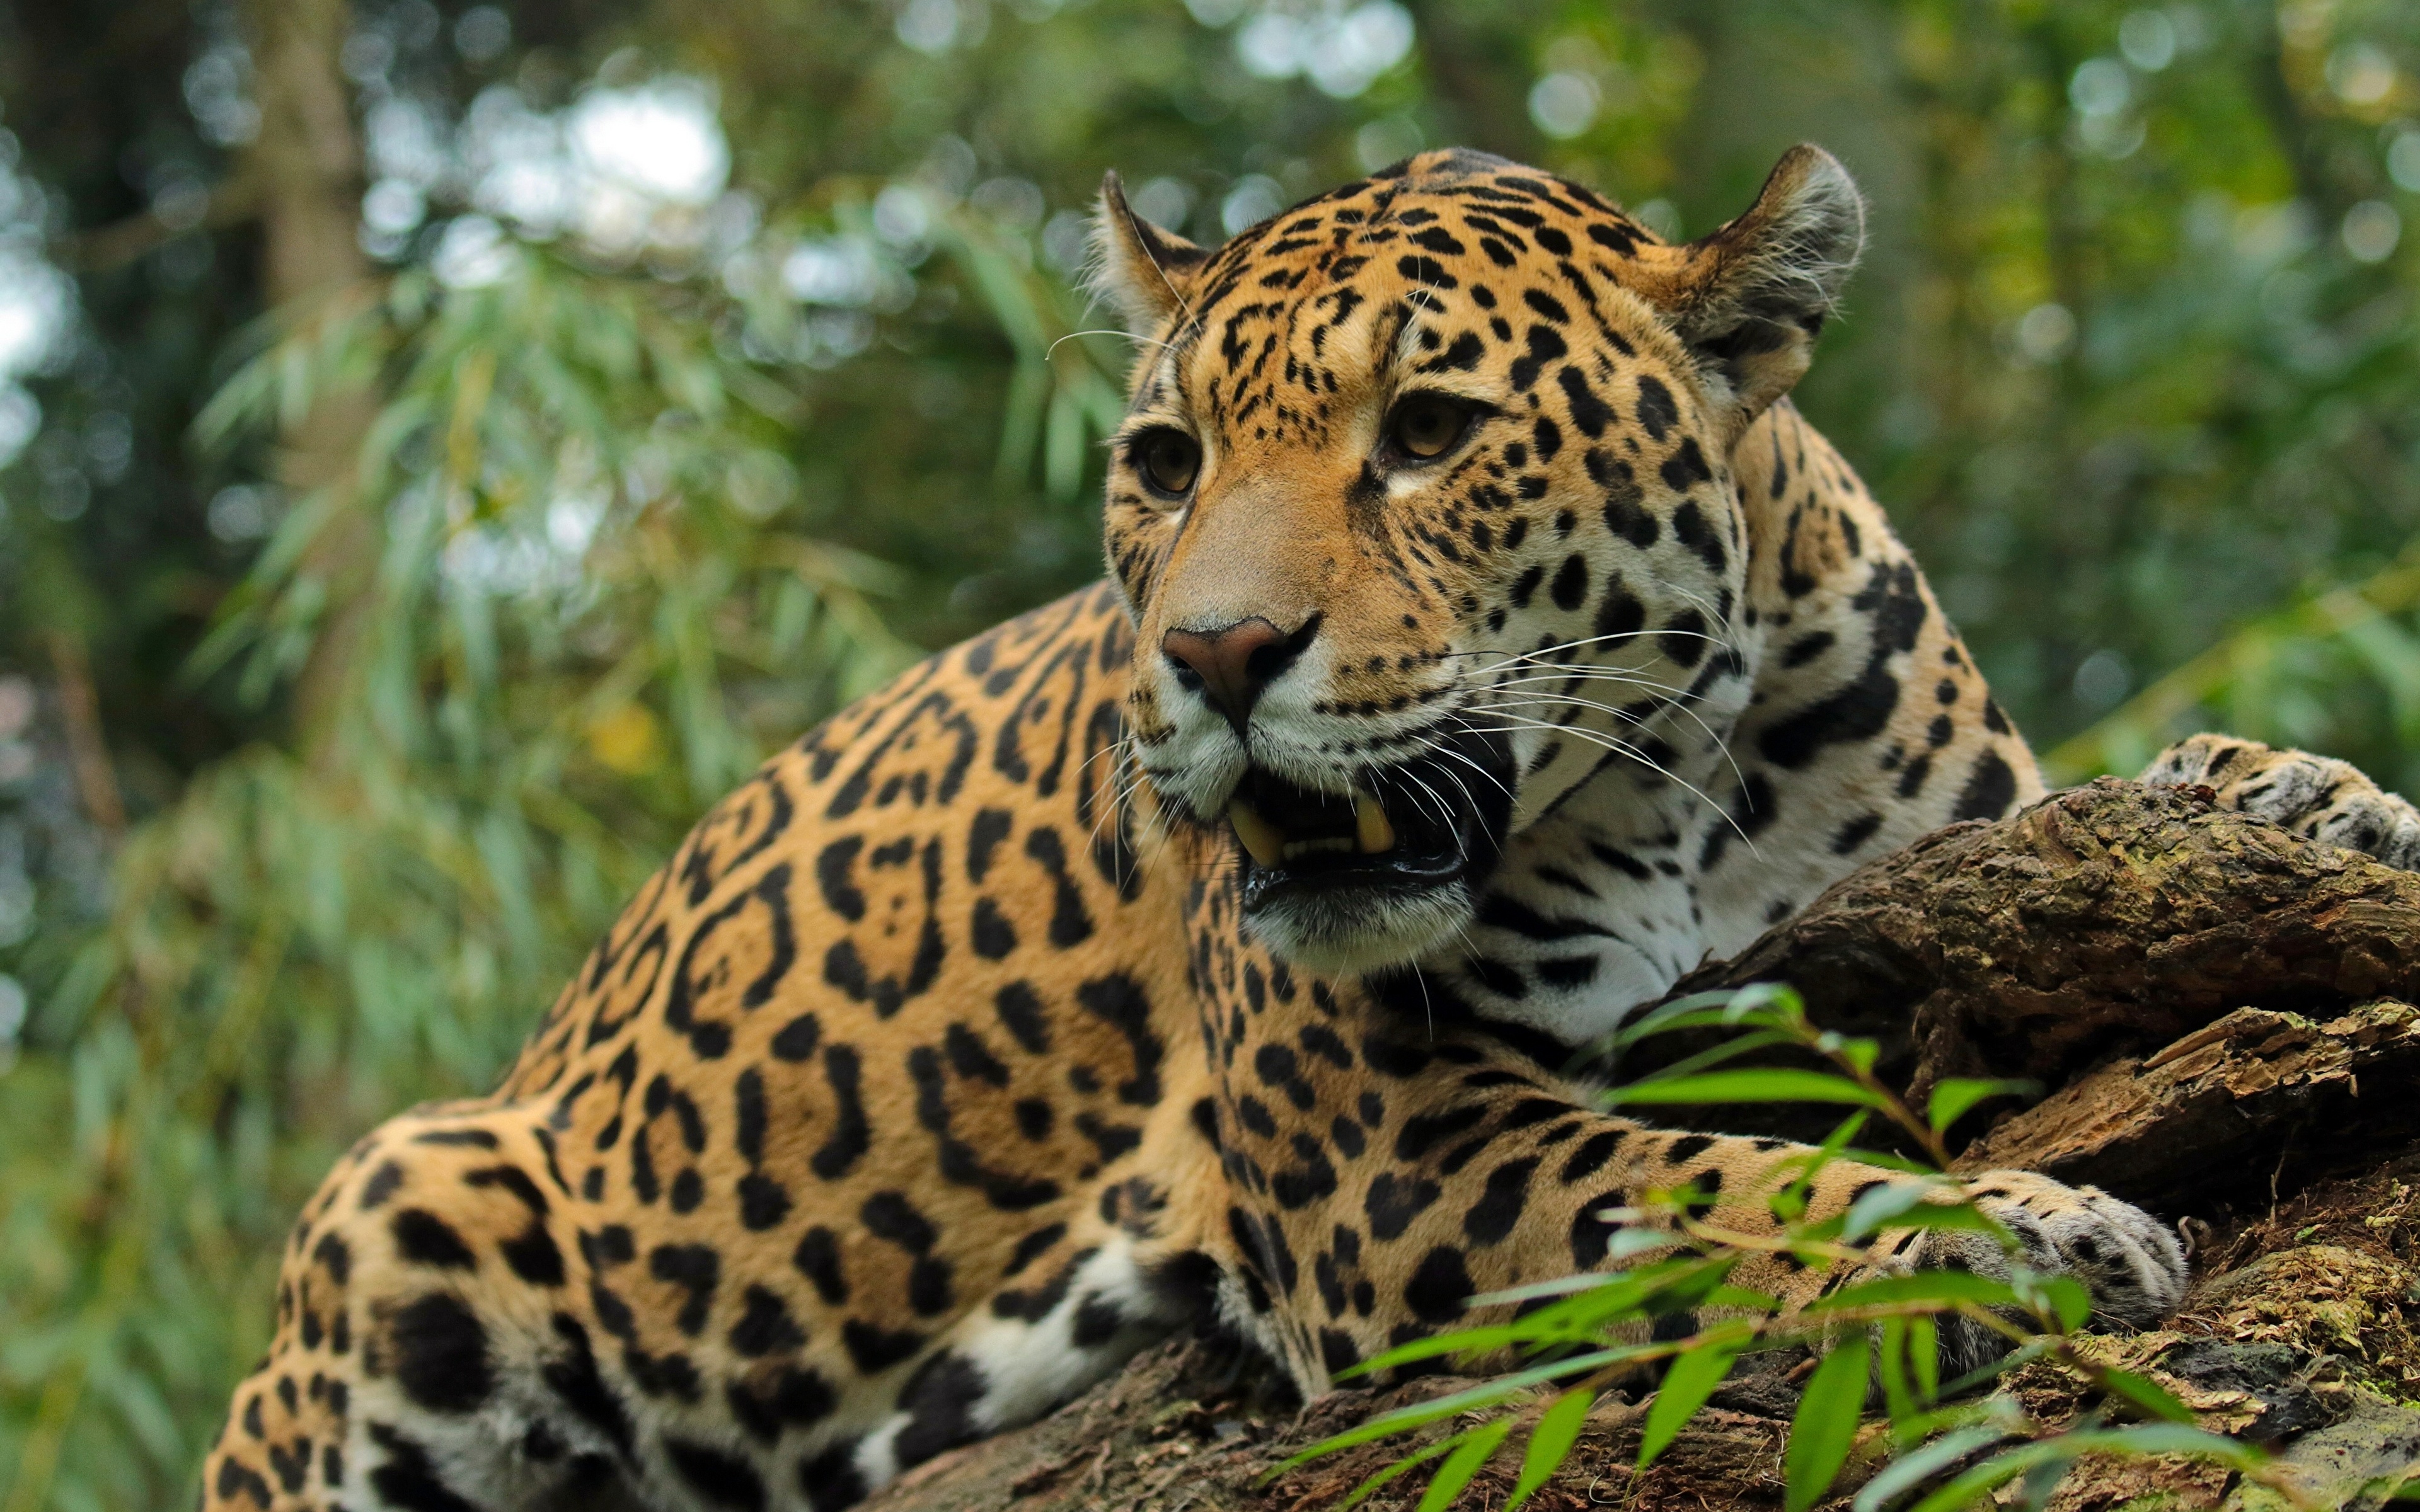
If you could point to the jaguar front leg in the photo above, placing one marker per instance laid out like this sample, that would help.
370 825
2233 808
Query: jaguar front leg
1078 1299
1383 1175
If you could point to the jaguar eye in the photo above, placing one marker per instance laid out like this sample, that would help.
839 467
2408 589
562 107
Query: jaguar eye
1168 461
1427 426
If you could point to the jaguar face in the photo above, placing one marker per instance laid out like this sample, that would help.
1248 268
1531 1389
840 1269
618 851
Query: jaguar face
1423 512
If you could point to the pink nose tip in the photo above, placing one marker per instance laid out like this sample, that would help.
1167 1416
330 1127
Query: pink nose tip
1234 665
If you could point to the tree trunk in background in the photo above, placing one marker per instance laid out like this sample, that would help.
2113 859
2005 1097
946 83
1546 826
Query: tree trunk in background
308 165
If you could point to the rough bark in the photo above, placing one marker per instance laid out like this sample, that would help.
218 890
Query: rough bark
2222 1012
2221 1108
2106 920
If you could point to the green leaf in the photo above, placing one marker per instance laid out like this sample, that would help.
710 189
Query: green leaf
1972 1485
1550 1444
1888 1161
1690 1381
1946 1287
1461 1341
2067 1297
1924 1352
1898 1401
1953 1096
2145 1393
2171 1438
1624 1243
1692 1285
1561 1286
1463 1463
1768 1085
1472 1398
1727 1296
1762 1006
1826 1424
2024 1354
1859 1054
1731 1049
1679 1282
1895 1199
1362 1493
1914 1468
2144 1439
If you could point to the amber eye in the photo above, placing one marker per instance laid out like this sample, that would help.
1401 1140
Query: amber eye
1168 460
1427 426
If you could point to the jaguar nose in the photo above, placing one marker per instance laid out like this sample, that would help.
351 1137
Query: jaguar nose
1232 666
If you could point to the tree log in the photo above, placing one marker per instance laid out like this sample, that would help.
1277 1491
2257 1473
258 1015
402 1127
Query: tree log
2105 920
2219 1110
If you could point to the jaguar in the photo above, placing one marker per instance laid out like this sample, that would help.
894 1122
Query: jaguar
1486 641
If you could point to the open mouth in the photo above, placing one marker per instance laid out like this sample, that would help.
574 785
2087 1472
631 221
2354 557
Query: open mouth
1420 824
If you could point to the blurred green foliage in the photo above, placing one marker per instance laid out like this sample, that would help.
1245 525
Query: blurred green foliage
312 792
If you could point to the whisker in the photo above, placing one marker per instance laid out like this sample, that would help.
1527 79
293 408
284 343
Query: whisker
1141 341
1567 645
1448 750
1720 743
1462 786
1587 674
1624 748
1543 662
1712 615
1444 810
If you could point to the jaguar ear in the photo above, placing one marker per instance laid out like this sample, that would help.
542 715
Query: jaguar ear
1146 273
1749 299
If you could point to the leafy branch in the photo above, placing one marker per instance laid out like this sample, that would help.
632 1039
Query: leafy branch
1876 1337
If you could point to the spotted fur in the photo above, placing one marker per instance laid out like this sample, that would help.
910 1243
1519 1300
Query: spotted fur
962 1050
2314 796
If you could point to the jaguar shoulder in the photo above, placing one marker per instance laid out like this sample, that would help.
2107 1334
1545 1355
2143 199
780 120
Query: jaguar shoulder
1487 641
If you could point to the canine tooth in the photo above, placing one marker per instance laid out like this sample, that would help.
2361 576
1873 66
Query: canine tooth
1264 841
1370 825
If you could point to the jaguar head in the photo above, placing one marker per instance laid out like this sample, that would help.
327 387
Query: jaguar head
1423 511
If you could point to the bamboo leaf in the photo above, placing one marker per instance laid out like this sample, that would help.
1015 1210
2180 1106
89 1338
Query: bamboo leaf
2067 1297
2145 1393
1973 1483
1924 1353
1401 1467
1954 1095
1468 1399
1898 1399
1770 1085
1912 1470
1915 1204
1461 1341
2022 1355
1826 1425
1688 1383
1463 1463
1550 1442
